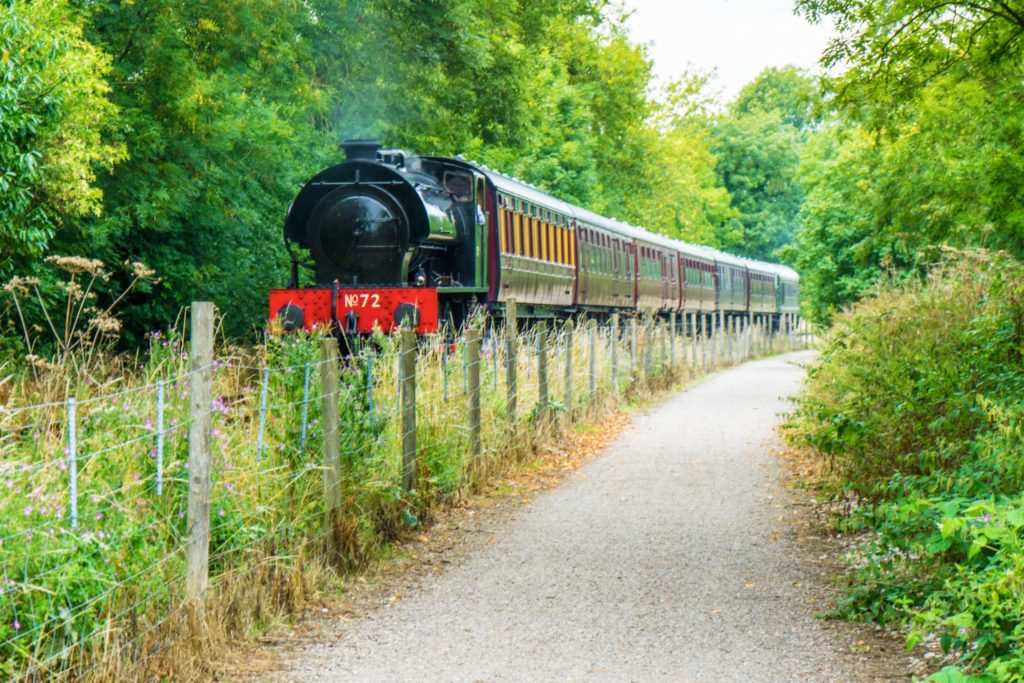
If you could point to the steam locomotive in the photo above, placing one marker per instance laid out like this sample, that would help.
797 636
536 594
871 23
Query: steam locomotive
401 239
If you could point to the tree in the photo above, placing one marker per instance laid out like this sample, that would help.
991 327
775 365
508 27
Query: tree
55 124
893 48
757 143
218 104
791 92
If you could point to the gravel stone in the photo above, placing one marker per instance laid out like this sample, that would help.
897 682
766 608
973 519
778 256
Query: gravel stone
665 559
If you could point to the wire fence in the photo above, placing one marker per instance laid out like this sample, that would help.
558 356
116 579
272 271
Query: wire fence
119 507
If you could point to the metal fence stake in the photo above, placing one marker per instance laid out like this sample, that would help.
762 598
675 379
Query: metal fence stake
159 437
407 355
264 385
306 370
444 369
473 356
72 419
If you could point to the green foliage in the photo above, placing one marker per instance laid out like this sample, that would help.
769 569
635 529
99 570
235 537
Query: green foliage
916 402
758 145
924 149
217 105
791 92
55 114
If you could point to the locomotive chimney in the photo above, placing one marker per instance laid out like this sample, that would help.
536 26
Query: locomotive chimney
364 150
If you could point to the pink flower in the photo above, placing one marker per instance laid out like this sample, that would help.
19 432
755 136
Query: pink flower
148 425
28 510
16 625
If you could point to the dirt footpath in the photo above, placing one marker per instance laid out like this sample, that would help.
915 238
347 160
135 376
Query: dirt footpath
667 558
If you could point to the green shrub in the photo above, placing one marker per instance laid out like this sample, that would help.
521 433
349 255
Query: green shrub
907 378
918 403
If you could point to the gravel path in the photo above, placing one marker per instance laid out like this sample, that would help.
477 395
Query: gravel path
663 560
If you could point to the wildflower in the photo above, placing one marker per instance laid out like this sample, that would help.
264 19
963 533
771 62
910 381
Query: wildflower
16 625
101 535
148 425
20 285
9 483
220 512
94 498
106 324
77 264
99 517
216 433
27 511
74 290
141 270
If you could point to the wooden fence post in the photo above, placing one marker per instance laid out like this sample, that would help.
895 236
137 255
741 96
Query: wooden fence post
407 380
592 342
199 431
672 342
542 367
633 347
703 342
645 354
690 337
511 353
568 365
331 445
613 342
473 344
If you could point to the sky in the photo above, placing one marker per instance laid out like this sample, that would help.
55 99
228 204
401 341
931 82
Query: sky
738 38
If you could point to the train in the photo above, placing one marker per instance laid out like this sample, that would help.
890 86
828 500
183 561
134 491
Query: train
393 239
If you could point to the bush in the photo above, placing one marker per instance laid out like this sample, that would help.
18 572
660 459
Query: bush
918 403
